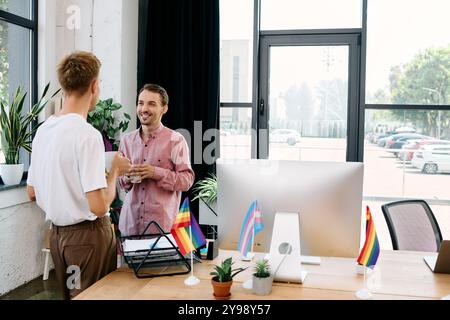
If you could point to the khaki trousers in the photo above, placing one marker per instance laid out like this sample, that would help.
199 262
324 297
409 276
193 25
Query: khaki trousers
82 254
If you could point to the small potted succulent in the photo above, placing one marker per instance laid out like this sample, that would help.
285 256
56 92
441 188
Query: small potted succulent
262 278
223 278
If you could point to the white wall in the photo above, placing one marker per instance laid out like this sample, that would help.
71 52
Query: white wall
22 229
113 25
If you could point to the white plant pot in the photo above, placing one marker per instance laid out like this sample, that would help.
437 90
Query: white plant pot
262 286
11 173
109 156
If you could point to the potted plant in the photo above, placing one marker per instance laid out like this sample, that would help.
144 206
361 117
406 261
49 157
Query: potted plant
17 131
104 120
206 191
262 278
223 278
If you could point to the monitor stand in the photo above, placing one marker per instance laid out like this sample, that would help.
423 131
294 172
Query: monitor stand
284 256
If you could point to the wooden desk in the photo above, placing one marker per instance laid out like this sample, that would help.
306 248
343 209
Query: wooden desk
398 275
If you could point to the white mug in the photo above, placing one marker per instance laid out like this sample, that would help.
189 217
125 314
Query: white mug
135 179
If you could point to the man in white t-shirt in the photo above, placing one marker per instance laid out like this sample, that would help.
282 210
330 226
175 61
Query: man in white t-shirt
67 179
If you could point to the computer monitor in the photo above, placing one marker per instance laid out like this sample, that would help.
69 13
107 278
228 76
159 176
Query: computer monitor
327 195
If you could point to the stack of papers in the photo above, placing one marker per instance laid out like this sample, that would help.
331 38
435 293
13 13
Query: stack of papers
146 244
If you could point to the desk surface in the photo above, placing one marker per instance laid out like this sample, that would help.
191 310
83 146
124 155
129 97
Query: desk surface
398 275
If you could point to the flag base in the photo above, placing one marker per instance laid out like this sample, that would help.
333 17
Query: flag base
248 284
364 294
248 257
191 281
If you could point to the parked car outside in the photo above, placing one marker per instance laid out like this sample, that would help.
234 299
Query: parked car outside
377 136
289 136
381 142
397 145
394 138
409 148
432 159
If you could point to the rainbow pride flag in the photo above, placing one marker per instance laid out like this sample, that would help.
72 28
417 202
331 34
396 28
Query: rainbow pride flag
180 230
252 224
371 249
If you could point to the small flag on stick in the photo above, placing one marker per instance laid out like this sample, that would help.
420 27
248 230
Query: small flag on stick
371 249
251 225
184 225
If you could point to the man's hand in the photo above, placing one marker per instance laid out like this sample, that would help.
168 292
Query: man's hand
121 164
31 193
144 170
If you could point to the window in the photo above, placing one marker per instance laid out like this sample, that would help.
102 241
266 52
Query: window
308 94
236 78
404 155
307 14
400 53
408 52
236 50
407 100
17 7
17 54
235 133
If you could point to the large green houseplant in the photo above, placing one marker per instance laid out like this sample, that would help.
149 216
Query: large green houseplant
17 131
103 119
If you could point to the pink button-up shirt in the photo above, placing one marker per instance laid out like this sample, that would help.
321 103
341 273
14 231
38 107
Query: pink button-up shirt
156 199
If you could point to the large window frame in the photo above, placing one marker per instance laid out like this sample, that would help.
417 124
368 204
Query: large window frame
258 34
357 133
32 25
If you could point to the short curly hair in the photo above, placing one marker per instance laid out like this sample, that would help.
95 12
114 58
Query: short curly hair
77 71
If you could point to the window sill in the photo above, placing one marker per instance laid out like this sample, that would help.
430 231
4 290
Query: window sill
22 184
11 196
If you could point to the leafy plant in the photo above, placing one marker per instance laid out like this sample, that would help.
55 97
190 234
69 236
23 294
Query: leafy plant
262 269
17 128
102 118
224 272
206 189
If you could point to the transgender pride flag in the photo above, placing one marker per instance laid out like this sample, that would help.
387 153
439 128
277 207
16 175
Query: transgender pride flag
251 225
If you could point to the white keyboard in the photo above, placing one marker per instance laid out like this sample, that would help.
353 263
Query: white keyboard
311 260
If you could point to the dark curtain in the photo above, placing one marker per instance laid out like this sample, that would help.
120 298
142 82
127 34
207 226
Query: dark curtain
179 50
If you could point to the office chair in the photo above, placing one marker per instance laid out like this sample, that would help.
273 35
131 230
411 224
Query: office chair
412 226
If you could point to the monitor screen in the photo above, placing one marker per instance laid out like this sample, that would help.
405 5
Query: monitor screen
327 196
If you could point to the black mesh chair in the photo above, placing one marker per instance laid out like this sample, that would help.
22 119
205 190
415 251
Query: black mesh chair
412 226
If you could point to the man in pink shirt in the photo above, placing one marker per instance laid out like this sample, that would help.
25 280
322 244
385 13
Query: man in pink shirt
160 159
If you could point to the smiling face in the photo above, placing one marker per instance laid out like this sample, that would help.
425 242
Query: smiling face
150 109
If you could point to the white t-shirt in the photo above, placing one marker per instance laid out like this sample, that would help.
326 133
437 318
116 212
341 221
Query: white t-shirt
68 160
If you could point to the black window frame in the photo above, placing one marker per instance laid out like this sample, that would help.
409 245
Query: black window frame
356 131
358 154
32 25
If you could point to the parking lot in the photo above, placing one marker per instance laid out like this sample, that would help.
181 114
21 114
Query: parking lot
385 175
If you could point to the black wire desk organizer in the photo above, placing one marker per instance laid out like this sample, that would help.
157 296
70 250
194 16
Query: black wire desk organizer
156 261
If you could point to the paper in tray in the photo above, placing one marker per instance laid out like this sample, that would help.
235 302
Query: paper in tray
146 244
